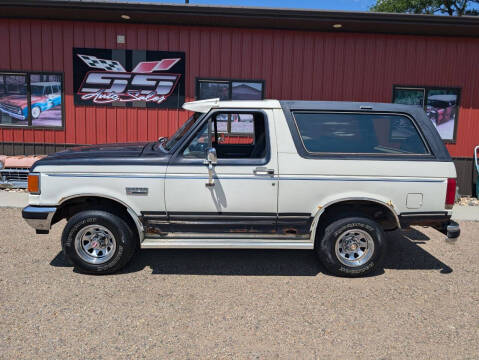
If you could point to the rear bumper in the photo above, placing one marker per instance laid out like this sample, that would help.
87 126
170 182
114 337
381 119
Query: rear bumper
453 231
440 221
39 217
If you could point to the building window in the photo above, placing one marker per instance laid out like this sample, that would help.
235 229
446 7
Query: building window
342 133
229 89
31 100
441 106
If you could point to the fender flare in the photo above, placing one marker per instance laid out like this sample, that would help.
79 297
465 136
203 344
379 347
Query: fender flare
131 212
322 209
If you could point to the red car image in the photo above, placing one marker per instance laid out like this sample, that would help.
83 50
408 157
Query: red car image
441 108
44 96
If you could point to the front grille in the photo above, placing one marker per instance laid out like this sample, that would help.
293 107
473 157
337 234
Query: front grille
16 177
10 108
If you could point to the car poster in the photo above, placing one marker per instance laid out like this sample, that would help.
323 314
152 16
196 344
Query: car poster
441 106
46 100
13 99
31 99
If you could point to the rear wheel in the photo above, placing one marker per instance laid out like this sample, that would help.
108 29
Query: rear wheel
98 242
352 246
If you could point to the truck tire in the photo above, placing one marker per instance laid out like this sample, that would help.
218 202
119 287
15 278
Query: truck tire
98 242
352 246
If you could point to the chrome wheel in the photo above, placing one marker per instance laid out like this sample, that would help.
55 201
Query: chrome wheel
36 112
95 244
354 247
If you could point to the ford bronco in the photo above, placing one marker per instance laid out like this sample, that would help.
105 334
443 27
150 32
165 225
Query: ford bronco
330 176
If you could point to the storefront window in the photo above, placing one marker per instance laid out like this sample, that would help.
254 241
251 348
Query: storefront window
31 100
229 89
441 106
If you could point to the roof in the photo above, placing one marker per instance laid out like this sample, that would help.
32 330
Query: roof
445 97
45 83
246 17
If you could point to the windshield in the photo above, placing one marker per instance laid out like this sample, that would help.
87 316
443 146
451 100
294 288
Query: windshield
37 90
182 131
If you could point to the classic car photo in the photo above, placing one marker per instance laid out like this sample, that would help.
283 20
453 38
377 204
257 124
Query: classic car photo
44 96
441 108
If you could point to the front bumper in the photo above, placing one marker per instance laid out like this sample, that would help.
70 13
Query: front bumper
12 114
39 217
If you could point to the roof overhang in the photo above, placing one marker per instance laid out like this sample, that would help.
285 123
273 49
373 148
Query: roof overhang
245 17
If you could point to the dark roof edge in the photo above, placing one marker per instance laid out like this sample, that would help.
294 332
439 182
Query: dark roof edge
259 17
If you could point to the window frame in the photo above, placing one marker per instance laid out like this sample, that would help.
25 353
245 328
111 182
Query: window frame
304 152
230 82
179 159
425 92
28 74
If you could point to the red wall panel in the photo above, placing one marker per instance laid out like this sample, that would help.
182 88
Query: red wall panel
294 64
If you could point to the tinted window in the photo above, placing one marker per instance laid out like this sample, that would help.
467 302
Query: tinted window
359 133
229 89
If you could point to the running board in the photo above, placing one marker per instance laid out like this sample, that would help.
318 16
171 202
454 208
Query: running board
156 243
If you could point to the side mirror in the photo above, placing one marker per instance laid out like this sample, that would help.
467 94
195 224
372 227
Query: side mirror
211 156
211 159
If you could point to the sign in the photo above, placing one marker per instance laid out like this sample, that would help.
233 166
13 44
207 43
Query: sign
131 78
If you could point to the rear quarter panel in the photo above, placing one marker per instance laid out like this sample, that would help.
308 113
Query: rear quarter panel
307 185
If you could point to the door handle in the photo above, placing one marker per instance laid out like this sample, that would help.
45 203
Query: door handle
263 171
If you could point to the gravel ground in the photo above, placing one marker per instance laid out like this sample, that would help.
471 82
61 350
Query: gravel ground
239 303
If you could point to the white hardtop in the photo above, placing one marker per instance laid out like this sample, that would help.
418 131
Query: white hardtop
45 83
203 106
445 97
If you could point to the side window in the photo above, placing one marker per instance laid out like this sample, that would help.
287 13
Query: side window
233 135
235 129
358 133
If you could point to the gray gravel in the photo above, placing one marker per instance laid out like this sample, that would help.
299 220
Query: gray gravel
241 304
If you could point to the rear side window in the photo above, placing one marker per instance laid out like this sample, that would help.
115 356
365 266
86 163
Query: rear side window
353 133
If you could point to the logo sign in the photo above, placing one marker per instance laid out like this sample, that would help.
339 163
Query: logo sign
129 78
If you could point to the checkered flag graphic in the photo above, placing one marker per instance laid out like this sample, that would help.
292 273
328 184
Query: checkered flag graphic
104 64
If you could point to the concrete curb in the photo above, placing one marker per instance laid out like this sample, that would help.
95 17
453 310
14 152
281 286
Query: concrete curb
13 199
10 199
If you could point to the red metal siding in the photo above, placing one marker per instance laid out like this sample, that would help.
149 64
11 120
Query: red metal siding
294 64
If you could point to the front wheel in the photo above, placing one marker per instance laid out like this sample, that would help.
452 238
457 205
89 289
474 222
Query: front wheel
352 246
98 242
36 111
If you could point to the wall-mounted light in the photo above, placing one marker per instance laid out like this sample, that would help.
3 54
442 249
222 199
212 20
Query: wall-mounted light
125 17
337 26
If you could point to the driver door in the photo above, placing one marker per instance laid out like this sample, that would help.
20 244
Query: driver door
239 193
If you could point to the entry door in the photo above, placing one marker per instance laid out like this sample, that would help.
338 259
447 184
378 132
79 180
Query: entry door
244 196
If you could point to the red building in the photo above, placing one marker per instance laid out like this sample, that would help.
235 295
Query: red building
431 61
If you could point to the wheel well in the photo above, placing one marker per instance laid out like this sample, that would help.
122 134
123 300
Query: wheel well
73 206
380 213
